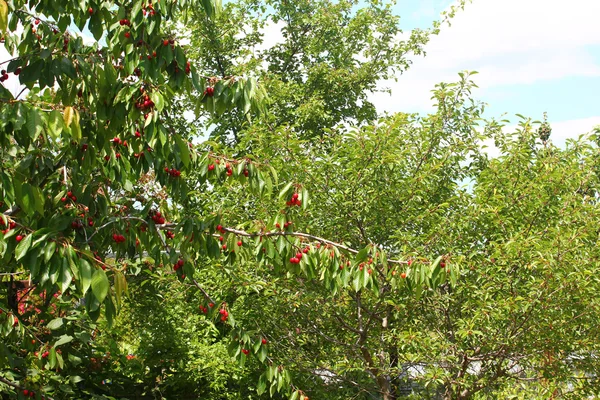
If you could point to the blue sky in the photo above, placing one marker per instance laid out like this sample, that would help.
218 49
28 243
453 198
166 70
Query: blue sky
532 56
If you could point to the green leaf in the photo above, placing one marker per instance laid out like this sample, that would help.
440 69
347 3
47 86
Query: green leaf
66 67
85 274
55 324
184 150
23 247
285 190
31 73
49 250
262 385
55 123
95 26
64 339
158 100
262 354
75 127
65 277
100 285
33 123
434 266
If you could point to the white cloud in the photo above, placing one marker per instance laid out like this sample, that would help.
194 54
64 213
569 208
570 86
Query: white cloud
561 131
508 42
272 35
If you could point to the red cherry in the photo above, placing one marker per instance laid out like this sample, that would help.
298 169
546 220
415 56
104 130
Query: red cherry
90 10
403 275
224 247
245 351
264 341
211 167
442 264
19 238
25 392
127 35
166 42
209 91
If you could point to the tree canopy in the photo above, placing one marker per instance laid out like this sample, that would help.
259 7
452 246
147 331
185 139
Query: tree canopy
188 213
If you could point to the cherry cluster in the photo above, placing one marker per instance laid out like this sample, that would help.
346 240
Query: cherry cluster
65 43
117 141
178 265
149 10
224 314
278 226
70 195
294 201
77 224
157 218
145 102
125 22
3 75
118 238
296 259
11 225
173 172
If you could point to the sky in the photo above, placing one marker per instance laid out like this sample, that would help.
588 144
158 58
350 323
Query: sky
532 56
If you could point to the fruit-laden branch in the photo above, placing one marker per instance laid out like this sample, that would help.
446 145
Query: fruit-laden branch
171 226
22 389
302 235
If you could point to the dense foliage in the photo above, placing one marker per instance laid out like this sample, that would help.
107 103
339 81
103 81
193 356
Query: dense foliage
310 248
